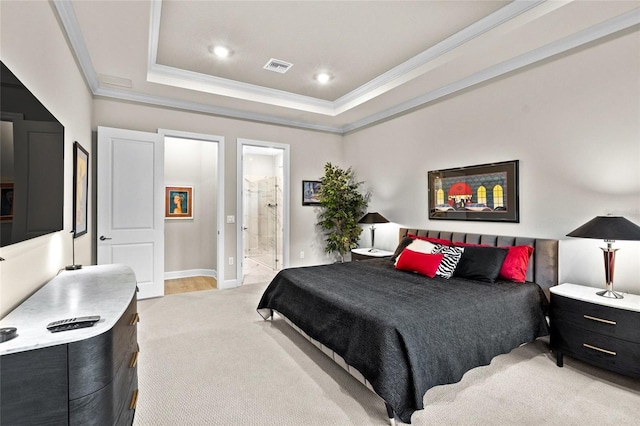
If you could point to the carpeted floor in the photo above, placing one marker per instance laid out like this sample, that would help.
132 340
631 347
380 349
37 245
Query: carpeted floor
207 358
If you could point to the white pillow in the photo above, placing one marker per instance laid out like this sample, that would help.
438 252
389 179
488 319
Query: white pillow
420 246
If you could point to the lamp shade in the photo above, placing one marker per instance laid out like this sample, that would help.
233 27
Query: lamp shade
374 217
608 228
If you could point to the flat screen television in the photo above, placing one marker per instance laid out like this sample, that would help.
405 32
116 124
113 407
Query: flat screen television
31 164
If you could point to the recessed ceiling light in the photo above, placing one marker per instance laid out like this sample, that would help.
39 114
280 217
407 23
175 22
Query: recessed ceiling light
221 51
323 77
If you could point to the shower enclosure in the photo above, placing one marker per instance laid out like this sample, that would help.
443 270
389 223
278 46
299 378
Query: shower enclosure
263 220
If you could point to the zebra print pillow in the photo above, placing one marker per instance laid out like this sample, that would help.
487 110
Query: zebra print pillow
451 258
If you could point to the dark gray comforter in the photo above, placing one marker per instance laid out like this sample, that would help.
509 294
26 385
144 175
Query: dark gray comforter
405 332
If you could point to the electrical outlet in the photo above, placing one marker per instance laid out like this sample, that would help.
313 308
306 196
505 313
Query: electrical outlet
231 219
301 255
231 261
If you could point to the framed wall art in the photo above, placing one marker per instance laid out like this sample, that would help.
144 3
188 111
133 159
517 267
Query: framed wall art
80 189
487 192
310 192
178 202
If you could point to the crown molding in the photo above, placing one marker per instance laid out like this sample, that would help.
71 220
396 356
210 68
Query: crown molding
570 42
70 26
177 77
142 98
418 65
387 81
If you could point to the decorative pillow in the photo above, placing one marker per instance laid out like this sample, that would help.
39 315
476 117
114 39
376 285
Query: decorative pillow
514 267
480 263
422 263
451 258
403 244
419 246
430 239
422 246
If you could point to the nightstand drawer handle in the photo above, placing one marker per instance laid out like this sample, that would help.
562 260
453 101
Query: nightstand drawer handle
595 348
589 317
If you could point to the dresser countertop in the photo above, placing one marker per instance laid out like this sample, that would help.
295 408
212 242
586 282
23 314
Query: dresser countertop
104 290
630 302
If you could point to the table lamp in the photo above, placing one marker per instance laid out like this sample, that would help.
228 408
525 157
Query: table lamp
373 218
608 228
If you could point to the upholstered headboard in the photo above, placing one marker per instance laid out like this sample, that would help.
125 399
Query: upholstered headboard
543 266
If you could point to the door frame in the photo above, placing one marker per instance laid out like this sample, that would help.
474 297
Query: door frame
220 265
286 209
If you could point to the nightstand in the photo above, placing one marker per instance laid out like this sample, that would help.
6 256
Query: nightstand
601 331
365 253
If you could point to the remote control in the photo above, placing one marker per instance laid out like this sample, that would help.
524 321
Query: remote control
72 323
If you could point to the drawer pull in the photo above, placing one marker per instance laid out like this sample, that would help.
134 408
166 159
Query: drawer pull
134 360
595 348
589 317
135 319
134 400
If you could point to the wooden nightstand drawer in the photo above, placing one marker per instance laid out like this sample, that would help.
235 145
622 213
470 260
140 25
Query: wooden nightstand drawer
615 354
619 323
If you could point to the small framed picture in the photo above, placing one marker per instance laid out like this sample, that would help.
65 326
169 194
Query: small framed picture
311 192
178 202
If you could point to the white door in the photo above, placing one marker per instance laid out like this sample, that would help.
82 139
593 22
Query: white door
131 205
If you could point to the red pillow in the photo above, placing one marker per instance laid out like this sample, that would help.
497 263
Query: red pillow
514 267
430 239
461 244
422 263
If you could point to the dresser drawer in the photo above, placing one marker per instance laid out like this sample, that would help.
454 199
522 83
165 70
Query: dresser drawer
93 362
619 323
614 354
105 406
33 387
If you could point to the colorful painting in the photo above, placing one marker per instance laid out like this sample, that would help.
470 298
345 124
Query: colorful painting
178 202
487 192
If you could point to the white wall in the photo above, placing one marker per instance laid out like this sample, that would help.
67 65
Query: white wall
32 45
574 124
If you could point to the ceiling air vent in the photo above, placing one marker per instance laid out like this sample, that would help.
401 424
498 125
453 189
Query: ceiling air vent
277 65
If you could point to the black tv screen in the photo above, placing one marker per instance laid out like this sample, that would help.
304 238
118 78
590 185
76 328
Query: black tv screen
31 164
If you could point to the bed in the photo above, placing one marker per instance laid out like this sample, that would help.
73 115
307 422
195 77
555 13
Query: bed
401 332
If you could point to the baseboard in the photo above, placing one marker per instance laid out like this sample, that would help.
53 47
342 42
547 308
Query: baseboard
228 284
191 273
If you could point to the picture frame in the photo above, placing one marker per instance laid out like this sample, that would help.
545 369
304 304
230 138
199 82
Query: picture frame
80 190
486 192
6 201
178 202
310 192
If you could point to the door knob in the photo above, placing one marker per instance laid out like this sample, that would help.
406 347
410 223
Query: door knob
102 238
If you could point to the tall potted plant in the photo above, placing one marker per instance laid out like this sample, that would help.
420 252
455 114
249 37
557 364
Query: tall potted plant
342 205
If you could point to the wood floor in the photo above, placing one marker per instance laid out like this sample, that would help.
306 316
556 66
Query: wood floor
185 285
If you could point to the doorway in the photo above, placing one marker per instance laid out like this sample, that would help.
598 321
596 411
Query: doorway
264 210
193 249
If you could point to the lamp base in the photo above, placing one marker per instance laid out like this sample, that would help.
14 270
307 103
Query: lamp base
610 294
73 267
